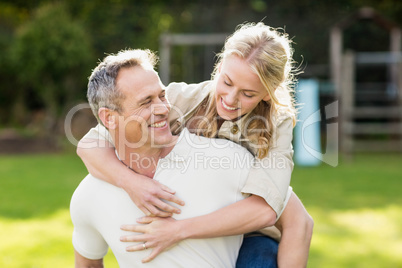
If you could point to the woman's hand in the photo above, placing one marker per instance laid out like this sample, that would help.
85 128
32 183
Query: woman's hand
157 233
147 193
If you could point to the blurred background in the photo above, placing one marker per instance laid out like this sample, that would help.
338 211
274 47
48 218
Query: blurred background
349 52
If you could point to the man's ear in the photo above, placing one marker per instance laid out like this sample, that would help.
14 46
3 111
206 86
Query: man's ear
108 117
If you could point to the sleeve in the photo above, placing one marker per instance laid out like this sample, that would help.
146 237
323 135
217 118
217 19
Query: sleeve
270 177
99 133
86 240
185 97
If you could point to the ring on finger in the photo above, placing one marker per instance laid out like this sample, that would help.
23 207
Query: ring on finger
144 246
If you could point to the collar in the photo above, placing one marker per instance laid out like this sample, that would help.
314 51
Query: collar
233 129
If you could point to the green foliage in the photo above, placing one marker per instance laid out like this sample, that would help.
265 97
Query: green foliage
51 54
54 50
117 25
10 18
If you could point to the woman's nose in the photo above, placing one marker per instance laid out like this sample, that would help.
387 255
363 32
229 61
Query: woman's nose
231 98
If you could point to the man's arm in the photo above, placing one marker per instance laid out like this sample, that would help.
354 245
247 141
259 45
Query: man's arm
296 226
82 262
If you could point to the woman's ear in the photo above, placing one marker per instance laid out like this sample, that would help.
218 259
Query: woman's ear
267 97
219 66
107 117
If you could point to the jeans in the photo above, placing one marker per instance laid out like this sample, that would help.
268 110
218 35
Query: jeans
258 251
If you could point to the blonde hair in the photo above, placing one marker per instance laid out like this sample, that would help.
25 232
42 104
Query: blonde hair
270 56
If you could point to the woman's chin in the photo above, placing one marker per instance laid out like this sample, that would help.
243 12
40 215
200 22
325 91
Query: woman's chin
228 117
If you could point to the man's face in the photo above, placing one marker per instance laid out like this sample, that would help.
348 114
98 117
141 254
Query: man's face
145 108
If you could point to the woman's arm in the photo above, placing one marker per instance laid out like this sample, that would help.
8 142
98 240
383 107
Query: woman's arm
294 223
270 177
296 226
145 192
244 216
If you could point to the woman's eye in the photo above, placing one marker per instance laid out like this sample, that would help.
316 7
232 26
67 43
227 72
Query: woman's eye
226 83
248 95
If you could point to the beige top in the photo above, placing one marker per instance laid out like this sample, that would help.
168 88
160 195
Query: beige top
268 178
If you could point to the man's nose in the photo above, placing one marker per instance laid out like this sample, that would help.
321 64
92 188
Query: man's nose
160 108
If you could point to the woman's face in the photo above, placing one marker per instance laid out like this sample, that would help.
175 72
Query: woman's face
238 88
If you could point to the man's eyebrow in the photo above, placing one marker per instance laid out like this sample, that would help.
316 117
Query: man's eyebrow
149 97
144 99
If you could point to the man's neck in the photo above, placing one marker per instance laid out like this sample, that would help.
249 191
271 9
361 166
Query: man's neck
144 160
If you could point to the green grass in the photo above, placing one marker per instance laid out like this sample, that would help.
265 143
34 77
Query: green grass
35 225
357 209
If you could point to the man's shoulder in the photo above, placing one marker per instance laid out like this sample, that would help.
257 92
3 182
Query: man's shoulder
91 186
87 181
93 192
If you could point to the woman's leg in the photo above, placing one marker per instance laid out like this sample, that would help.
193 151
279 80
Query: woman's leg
258 251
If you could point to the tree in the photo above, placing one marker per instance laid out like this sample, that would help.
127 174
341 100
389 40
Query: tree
12 103
51 56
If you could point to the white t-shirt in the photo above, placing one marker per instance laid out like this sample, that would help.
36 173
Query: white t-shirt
206 177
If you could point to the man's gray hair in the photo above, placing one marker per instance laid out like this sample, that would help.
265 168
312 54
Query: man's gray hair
102 90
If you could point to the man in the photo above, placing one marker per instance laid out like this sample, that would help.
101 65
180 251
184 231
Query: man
128 98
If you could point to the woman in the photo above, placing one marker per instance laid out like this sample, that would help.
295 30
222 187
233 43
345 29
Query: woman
248 101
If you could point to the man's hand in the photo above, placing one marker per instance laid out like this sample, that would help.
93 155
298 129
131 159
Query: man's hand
147 193
157 233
